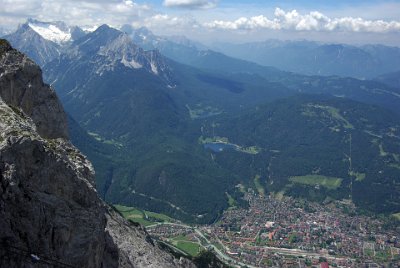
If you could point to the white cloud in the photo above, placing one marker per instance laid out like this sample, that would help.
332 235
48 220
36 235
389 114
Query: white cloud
166 24
205 4
75 12
18 6
197 24
88 13
164 20
244 23
313 21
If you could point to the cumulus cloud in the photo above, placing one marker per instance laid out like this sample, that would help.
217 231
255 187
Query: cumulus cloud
313 21
91 13
244 23
164 20
75 12
205 4
163 24
116 13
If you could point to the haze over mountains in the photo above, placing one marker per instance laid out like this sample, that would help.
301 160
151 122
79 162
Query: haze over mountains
390 79
312 58
146 110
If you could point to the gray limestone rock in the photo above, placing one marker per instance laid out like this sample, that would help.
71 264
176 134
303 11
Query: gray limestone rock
22 87
50 213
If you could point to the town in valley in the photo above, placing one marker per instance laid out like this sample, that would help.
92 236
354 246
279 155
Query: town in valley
280 231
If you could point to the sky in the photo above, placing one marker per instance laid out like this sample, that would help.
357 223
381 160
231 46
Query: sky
209 21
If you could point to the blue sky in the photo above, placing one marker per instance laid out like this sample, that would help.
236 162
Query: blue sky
345 21
327 6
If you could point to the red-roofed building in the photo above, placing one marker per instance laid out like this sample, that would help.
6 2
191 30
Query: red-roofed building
324 265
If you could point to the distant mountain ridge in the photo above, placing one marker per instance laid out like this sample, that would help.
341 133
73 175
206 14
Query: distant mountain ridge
390 79
143 37
115 47
30 42
312 58
57 31
43 41
204 58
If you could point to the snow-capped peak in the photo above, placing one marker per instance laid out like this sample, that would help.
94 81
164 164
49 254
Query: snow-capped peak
89 28
57 32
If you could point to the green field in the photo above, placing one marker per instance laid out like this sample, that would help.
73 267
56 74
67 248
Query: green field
191 248
359 176
184 244
249 150
241 188
330 111
382 256
143 217
203 140
331 183
199 111
133 214
101 139
382 151
258 185
397 216
231 201
394 166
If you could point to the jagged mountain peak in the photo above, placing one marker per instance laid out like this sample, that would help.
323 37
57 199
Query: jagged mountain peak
142 36
77 32
106 27
33 44
44 41
93 41
116 48
143 31
117 41
58 31
145 38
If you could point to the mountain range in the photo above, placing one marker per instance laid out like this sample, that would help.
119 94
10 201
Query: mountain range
157 117
43 41
390 79
313 58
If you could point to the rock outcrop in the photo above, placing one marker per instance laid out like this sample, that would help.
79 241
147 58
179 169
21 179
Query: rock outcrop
50 213
22 87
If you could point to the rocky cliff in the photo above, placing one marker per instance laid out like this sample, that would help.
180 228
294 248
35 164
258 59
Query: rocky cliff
50 213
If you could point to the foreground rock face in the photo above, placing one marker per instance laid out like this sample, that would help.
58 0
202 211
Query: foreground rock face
48 203
22 86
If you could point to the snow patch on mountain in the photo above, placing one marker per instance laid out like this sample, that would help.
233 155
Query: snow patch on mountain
154 67
89 29
51 32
